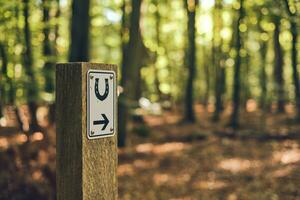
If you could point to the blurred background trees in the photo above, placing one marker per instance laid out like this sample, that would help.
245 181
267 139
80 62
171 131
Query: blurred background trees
226 55
209 84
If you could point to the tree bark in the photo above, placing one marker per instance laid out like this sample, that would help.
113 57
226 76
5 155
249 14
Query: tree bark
56 29
3 78
207 80
190 7
263 76
245 83
295 69
278 66
219 70
47 51
13 87
234 122
32 91
129 67
80 23
158 42
294 57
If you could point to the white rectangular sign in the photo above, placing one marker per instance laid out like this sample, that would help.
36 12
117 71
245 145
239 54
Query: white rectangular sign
101 103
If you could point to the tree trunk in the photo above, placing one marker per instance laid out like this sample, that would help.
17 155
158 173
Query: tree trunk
13 87
222 84
80 23
217 60
246 92
49 55
129 65
51 113
234 122
157 27
263 76
293 18
218 90
32 91
207 79
138 85
3 78
56 29
191 60
278 66
295 69
122 107
47 51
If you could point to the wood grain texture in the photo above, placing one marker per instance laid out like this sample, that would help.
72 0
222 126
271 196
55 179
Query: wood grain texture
86 169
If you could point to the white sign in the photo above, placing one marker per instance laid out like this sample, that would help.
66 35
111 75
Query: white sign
101 103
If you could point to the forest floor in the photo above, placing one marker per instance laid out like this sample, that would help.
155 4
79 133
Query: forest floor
168 159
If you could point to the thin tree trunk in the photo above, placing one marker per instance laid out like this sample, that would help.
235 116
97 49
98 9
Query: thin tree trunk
295 69
122 107
13 86
49 55
217 59
278 66
47 51
138 85
3 78
157 28
207 80
262 73
129 65
124 26
51 113
218 91
32 92
191 59
80 23
234 122
263 76
246 93
294 54
222 82
56 28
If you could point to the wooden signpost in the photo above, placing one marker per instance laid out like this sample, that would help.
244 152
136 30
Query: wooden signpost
86 120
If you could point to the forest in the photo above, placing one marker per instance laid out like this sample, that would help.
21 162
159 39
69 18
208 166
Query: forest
209 94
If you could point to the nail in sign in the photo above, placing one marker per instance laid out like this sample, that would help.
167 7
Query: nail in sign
101 106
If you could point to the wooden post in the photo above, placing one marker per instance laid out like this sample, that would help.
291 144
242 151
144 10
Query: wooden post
86 168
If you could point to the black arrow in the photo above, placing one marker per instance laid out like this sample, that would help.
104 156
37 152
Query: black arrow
98 95
105 121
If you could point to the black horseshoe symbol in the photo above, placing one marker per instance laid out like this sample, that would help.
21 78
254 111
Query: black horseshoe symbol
98 95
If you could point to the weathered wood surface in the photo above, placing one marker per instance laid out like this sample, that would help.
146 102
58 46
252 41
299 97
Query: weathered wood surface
86 169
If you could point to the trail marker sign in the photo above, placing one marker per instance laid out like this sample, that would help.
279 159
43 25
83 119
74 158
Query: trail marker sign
86 100
101 97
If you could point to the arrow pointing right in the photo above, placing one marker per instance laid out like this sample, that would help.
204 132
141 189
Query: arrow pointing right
105 122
